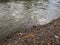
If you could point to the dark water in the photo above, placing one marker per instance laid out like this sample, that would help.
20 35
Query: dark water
34 12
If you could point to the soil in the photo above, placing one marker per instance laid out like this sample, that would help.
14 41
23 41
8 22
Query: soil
48 34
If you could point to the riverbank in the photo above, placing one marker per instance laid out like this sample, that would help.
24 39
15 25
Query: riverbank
48 34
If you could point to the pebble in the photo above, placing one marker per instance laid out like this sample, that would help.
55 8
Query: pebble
56 36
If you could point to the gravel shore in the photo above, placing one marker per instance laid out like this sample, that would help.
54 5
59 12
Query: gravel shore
48 34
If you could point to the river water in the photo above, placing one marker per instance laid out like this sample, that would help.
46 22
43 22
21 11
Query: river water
18 13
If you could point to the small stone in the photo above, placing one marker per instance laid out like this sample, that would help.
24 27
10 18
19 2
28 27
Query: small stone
19 38
56 36
20 33
37 37
16 42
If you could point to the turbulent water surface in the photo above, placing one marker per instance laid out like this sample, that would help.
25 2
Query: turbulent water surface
28 13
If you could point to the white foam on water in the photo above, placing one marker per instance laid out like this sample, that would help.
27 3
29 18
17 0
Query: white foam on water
13 14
